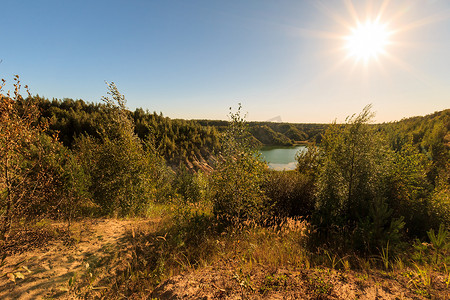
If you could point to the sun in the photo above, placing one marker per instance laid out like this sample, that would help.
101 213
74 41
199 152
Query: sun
367 41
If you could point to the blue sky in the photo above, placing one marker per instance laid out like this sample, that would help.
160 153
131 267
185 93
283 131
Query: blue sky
195 59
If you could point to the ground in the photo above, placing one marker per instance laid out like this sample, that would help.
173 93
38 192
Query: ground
88 263
51 270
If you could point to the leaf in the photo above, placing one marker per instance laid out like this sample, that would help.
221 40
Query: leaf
63 289
26 269
19 275
11 277
87 266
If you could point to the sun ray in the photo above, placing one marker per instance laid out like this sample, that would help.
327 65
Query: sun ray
351 9
381 11
423 22
381 49
333 15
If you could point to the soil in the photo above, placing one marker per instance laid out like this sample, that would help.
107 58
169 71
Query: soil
51 269
87 264
219 282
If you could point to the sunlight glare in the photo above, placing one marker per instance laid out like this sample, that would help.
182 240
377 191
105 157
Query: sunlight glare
367 41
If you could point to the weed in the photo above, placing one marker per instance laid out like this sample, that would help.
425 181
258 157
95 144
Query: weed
362 277
421 279
399 264
243 280
272 283
447 274
439 241
320 286
424 275
385 256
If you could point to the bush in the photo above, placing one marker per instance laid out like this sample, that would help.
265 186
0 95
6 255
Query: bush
125 175
236 184
352 184
39 177
289 194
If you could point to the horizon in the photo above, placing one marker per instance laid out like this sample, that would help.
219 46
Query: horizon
195 60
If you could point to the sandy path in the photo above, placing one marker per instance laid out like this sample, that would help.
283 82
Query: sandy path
48 273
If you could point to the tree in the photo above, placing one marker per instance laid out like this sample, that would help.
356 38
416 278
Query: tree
124 174
22 174
352 182
237 192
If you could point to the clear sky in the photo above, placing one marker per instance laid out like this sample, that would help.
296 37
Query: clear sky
195 59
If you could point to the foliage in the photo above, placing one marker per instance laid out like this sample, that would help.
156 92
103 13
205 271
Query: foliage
351 182
191 187
289 193
309 162
178 141
67 194
440 197
24 180
124 175
268 136
430 134
236 184
439 241
408 189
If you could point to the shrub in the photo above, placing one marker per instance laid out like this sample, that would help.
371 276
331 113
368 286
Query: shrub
124 174
352 183
289 194
236 184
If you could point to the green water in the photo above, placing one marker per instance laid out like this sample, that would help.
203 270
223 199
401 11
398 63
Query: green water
281 158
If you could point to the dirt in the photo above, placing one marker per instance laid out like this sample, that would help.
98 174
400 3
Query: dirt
88 264
52 270
219 282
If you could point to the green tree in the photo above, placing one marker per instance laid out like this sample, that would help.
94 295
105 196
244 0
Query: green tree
124 174
351 183
237 192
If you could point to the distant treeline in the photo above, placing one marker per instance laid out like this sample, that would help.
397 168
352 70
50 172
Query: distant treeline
178 141
277 134
190 139
191 142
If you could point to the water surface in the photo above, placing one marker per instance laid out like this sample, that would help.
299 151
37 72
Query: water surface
281 158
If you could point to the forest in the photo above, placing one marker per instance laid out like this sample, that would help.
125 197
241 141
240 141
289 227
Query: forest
368 203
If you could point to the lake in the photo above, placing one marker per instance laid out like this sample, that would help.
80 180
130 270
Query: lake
281 158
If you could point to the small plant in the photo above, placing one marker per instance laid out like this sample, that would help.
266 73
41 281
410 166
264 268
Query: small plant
420 249
447 281
362 277
385 256
421 279
400 265
332 259
243 280
320 286
447 271
272 283
439 241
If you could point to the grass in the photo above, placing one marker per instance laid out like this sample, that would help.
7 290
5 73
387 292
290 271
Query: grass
262 259
189 238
